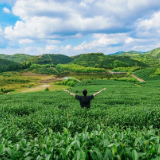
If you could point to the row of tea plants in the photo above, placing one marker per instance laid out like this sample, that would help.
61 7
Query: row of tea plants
52 125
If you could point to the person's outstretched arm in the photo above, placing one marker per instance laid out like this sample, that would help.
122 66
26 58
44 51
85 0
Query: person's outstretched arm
70 93
99 92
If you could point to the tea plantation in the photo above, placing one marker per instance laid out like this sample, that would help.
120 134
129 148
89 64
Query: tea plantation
123 123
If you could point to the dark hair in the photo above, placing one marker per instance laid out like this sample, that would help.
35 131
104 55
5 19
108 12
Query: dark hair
84 92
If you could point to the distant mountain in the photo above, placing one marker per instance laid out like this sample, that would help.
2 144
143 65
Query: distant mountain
138 52
117 53
106 61
50 59
16 57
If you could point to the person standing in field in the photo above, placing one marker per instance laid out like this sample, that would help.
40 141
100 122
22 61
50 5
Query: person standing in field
85 100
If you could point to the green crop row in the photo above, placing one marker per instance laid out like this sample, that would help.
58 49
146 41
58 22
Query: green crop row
79 69
96 145
148 74
25 120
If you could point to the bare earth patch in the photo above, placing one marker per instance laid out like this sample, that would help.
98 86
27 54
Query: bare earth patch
139 79
38 88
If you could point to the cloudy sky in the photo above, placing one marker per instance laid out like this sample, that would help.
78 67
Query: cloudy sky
72 27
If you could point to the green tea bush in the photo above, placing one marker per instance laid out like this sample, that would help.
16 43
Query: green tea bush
47 89
69 82
96 144
148 74
128 79
52 125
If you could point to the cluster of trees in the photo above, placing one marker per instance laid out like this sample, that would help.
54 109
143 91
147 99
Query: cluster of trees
14 67
33 66
68 82
79 69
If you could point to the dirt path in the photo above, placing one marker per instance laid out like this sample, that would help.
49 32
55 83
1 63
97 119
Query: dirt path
139 79
38 88
116 72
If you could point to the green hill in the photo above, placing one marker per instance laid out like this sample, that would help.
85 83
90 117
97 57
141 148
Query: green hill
106 61
16 57
148 59
155 53
50 59
5 62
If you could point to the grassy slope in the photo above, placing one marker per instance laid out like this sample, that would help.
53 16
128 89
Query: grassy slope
99 60
16 57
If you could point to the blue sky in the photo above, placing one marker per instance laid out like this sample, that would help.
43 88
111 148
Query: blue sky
73 27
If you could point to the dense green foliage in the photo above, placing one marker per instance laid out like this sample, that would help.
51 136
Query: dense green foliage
148 74
32 124
126 69
146 58
79 69
50 59
69 82
7 65
128 79
16 57
155 53
106 61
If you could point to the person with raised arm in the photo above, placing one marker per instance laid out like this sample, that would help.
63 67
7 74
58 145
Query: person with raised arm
84 100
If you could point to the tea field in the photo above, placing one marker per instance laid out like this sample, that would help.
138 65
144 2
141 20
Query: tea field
149 74
123 123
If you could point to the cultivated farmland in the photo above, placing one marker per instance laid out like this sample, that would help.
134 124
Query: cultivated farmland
123 123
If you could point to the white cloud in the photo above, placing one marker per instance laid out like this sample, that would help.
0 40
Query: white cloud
149 27
103 40
1 30
67 47
53 41
28 49
6 10
111 23
129 40
41 19
25 41
51 48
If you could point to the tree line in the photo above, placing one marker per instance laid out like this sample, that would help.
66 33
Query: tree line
14 67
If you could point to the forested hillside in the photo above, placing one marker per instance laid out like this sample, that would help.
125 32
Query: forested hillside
50 59
148 59
5 62
7 65
16 57
100 60
155 53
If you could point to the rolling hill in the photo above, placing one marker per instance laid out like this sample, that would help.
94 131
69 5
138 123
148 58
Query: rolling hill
149 58
50 59
106 61
5 63
16 57
155 53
